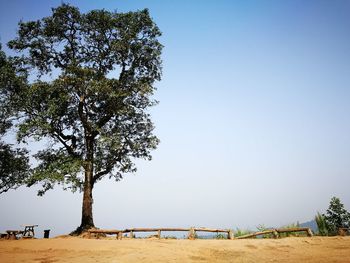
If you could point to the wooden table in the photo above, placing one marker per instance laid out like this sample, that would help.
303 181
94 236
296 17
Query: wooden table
28 231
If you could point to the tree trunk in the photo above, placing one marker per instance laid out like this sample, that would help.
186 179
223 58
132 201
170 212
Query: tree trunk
87 220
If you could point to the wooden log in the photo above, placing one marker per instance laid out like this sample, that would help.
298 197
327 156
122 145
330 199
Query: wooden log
140 230
276 232
174 229
154 229
204 229
105 231
295 229
256 234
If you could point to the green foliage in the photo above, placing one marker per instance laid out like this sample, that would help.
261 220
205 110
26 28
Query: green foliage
221 236
241 232
14 168
261 227
336 216
321 224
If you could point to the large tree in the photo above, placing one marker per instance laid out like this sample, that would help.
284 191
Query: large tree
91 83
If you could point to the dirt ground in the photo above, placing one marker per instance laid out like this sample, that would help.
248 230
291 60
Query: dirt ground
292 249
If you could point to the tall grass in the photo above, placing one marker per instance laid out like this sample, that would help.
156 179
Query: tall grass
321 224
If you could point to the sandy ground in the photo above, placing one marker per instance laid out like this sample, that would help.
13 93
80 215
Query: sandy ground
292 249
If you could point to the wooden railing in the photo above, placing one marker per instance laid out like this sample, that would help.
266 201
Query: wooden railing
191 231
275 232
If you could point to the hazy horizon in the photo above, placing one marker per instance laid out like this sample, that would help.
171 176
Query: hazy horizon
253 119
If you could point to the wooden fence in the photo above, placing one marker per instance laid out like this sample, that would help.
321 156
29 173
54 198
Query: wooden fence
192 232
276 232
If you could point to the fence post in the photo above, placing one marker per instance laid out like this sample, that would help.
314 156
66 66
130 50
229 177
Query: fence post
120 235
159 234
230 234
192 234
309 232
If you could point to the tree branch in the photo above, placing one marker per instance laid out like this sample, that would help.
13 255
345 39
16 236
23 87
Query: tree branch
69 148
100 174
81 112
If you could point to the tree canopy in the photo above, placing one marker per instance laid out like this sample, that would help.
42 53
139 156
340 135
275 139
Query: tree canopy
91 83
14 167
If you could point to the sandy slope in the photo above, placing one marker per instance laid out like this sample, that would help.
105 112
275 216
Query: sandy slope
315 249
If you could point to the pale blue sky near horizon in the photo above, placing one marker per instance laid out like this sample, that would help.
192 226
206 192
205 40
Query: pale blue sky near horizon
253 119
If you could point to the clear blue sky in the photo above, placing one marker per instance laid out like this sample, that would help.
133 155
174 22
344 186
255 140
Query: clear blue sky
254 119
